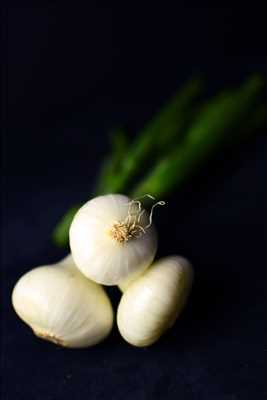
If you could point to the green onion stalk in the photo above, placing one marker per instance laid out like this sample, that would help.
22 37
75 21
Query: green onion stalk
177 141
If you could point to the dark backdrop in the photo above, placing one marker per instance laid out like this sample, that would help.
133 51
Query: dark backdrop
71 74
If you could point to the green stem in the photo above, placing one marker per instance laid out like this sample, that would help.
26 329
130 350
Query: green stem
111 165
60 234
214 126
165 128
224 119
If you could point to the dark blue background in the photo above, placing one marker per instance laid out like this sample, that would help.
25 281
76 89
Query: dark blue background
71 74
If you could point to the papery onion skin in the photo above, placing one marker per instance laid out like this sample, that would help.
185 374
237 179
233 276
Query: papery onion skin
62 306
152 303
125 283
97 254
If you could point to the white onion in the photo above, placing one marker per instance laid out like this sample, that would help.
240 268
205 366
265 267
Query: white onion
62 306
151 304
111 239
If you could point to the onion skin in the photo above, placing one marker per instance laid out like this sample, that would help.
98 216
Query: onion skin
94 247
152 303
62 306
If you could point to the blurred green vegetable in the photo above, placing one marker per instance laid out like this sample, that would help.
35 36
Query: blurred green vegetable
177 141
157 136
217 123
60 234
111 165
